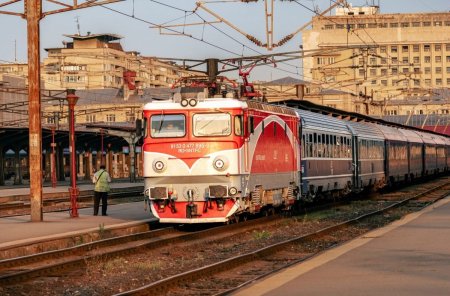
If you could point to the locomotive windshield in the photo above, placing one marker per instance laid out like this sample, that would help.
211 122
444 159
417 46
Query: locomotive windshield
168 126
212 124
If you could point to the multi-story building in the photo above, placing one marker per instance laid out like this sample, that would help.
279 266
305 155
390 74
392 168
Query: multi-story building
381 57
98 61
16 69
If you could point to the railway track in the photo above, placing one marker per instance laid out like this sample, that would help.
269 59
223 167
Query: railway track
226 276
209 277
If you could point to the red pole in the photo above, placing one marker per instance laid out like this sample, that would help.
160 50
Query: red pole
73 190
53 163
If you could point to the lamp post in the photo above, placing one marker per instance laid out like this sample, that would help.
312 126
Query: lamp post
73 190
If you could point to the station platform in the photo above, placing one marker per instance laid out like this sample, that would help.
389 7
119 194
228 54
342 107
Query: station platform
19 230
408 257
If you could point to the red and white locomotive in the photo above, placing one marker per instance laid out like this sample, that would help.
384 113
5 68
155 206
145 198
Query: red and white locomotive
219 159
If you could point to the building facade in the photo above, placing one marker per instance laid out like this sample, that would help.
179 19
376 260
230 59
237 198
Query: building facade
381 57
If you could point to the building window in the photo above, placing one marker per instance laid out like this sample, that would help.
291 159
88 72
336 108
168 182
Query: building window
393 25
373 61
437 47
111 118
438 81
393 49
382 49
416 82
416 48
394 71
416 24
131 117
416 70
405 60
328 27
384 82
383 60
416 60
372 25
361 72
90 118
427 59
405 70
426 24
361 26
447 23
382 25
340 26
437 23
448 81
374 82
437 59
447 58
373 72
383 72
394 61
427 70
426 48
438 70
428 82
405 48
448 70
405 25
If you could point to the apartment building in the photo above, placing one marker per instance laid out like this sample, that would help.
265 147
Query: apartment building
98 61
381 57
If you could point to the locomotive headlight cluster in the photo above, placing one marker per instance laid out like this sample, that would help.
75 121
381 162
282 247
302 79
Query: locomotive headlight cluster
220 163
159 165
190 102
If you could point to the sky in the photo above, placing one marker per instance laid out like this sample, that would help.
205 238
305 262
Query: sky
132 20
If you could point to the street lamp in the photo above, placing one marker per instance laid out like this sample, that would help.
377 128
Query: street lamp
73 190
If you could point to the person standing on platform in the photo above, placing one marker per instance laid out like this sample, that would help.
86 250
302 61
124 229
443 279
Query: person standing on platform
101 180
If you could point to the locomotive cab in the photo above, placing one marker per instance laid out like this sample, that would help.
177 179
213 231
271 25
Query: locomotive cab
192 154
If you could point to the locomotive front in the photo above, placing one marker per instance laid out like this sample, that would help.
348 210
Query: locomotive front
193 158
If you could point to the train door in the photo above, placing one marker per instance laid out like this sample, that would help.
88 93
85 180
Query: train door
356 163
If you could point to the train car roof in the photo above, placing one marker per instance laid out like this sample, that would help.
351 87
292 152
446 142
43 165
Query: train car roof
318 121
365 130
427 137
412 136
440 140
391 133
210 103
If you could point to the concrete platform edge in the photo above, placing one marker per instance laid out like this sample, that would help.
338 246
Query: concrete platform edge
43 239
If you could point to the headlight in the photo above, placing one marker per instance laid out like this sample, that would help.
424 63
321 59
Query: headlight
193 102
184 103
232 190
220 163
159 165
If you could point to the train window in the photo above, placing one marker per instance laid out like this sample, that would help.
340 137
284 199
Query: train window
145 127
168 126
238 123
211 124
251 124
310 145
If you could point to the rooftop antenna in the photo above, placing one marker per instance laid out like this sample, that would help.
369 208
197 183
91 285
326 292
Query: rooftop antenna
77 19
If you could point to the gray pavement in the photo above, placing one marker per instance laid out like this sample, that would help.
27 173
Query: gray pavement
409 257
20 230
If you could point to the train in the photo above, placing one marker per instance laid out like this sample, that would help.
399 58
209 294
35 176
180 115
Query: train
221 159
